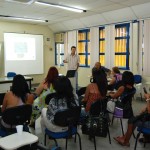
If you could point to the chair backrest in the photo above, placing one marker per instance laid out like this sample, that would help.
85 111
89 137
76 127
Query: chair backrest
137 79
65 117
17 115
11 74
99 106
81 91
49 97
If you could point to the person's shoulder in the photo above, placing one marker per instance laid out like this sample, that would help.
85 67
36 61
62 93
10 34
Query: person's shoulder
9 93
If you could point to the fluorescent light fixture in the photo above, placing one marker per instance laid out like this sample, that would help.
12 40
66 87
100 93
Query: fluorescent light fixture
61 6
22 19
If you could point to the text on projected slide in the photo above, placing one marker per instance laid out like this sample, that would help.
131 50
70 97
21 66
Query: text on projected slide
21 49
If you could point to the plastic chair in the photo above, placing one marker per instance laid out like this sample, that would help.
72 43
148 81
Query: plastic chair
65 117
138 84
96 108
11 74
19 115
143 130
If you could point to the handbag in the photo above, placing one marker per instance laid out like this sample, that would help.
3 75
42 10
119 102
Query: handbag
123 110
96 125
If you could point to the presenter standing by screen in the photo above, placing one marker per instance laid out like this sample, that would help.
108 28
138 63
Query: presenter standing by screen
73 61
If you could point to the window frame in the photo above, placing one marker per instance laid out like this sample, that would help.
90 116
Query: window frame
101 39
127 53
86 54
60 54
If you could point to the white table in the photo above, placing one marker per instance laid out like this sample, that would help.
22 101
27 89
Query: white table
6 82
15 141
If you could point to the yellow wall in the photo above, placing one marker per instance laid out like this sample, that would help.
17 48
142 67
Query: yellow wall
49 58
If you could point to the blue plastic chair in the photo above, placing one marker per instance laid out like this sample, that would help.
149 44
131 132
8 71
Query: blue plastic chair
143 130
66 117
11 74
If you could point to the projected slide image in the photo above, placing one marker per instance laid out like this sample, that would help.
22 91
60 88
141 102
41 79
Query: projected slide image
21 49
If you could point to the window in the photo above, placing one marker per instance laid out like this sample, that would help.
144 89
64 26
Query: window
59 54
102 45
84 47
122 46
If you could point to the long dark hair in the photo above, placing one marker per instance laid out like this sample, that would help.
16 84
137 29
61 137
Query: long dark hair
20 87
99 77
52 75
128 78
64 89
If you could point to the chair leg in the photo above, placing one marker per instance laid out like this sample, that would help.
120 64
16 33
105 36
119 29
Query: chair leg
121 126
79 140
75 138
94 142
109 136
55 142
45 140
136 140
66 143
112 121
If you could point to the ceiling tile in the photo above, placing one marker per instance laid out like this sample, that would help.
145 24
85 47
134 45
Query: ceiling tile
120 15
138 10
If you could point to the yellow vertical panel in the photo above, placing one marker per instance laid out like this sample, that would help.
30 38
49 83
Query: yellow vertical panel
103 33
99 46
89 47
120 45
104 46
89 60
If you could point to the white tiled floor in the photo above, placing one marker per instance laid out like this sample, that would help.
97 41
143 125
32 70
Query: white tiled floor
102 143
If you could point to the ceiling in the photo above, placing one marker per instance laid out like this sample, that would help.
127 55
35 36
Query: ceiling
99 12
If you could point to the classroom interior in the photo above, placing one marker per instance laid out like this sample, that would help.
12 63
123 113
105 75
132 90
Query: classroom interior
93 33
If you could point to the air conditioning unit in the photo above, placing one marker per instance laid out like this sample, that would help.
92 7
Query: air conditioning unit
21 1
59 37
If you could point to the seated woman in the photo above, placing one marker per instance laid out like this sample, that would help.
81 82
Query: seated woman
44 88
115 82
19 95
63 99
126 88
95 90
135 122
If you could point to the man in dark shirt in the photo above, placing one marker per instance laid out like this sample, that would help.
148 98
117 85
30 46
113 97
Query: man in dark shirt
102 68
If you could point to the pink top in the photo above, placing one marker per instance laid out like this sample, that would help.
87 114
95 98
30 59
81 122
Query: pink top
92 94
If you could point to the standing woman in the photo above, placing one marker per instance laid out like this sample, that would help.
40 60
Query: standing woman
95 90
44 88
19 95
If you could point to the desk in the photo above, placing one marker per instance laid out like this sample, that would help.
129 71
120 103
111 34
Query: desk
15 141
7 80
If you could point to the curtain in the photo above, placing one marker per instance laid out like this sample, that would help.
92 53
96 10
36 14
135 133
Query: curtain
140 49
94 46
146 56
110 46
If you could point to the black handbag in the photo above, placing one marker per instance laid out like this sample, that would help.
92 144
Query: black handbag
96 125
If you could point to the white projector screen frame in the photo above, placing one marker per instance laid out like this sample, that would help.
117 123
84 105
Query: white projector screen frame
23 53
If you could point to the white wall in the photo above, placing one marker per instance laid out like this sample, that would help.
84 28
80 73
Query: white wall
49 58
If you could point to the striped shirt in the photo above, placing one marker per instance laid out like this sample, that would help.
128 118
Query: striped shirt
72 61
